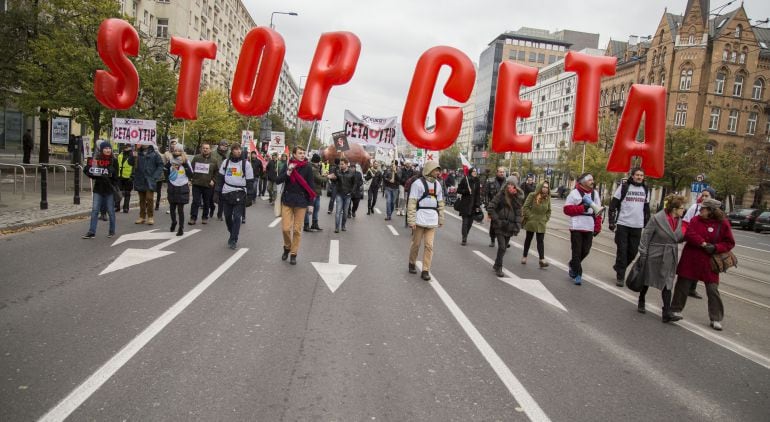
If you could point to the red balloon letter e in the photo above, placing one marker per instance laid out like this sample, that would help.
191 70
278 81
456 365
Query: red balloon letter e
334 63
118 88
509 107
650 101
192 54
258 71
590 70
459 87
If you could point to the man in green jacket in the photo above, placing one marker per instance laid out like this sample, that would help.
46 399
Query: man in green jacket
205 168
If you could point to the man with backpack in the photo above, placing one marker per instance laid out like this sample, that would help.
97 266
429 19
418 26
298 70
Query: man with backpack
584 223
425 213
628 213
236 187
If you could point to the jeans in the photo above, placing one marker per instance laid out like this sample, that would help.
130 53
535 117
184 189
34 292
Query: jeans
233 215
201 198
316 205
372 198
390 200
581 246
540 243
627 239
102 200
341 217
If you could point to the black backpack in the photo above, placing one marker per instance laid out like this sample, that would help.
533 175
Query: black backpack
426 194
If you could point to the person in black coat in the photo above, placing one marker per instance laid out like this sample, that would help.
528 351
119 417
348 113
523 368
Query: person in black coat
178 173
470 201
103 169
375 175
505 211
298 196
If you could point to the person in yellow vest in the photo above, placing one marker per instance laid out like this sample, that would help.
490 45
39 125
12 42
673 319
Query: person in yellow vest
125 176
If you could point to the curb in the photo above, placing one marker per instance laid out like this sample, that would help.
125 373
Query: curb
52 221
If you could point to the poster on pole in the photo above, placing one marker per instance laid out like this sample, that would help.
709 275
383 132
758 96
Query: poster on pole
277 143
385 155
247 141
134 131
367 130
86 145
60 131
431 155
340 141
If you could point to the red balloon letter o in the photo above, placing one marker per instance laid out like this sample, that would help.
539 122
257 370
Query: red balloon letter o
261 60
119 88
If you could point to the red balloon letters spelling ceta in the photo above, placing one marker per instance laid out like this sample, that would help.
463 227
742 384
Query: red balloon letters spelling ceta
590 70
459 87
192 54
509 107
118 88
258 71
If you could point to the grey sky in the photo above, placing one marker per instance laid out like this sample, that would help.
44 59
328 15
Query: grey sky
394 33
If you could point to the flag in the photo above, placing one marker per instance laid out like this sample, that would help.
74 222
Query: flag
465 163
261 160
286 150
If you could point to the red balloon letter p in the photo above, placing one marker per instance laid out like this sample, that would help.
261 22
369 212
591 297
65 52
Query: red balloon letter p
118 88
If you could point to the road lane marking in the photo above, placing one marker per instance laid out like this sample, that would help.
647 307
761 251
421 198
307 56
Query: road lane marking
753 249
393 230
80 394
333 273
517 390
275 222
377 210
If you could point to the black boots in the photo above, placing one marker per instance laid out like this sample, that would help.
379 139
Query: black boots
285 254
412 269
306 228
315 227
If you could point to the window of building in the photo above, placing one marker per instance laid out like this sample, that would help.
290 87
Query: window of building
528 44
742 57
512 55
756 91
662 79
732 121
725 54
719 83
532 56
522 56
146 19
680 117
714 119
551 59
691 39
685 80
738 86
733 56
163 1
162 28
541 58
738 30
134 9
710 148
751 124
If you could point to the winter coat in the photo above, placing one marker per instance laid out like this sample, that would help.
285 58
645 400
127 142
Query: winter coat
346 181
318 179
358 189
104 171
659 251
389 174
535 216
506 220
148 170
272 170
207 169
492 187
294 195
695 262
178 194
376 179
470 200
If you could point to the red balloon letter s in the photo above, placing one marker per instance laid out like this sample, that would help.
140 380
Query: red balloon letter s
508 107
261 59
590 70
192 54
650 101
459 87
117 89
334 63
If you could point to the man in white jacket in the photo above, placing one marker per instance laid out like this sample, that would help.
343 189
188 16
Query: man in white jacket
425 213
584 223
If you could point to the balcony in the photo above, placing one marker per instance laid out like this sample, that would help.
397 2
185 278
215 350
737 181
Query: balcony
617 106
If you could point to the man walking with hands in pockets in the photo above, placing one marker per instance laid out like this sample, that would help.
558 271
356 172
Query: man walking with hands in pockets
425 212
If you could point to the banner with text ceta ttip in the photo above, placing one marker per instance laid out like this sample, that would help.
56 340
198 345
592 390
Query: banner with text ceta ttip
367 130
134 131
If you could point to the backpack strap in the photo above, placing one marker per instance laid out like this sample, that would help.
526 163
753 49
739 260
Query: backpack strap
426 194
227 164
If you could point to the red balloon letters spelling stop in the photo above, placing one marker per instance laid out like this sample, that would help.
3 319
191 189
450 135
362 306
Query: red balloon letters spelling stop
336 57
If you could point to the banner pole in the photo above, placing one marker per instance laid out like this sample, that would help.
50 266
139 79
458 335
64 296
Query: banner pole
583 165
312 128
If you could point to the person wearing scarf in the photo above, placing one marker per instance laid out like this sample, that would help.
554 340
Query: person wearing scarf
583 223
298 195
629 212
103 168
178 173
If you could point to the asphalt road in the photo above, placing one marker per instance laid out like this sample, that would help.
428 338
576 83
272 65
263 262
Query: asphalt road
207 333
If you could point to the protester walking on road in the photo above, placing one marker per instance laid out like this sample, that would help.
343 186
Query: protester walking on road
535 215
584 223
235 186
692 212
374 177
358 192
628 213
125 176
298 195
505 212
469 203
205 169
659 252
103 169
390 187
491 189
149 168
345 183
318 181
529 185
178 173
709 233
272 175
425 213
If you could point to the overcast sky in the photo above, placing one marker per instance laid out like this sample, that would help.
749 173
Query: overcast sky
394 33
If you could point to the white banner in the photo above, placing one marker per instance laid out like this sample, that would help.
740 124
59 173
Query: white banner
385 155
277 143
374 131
134 131
60 131
247 141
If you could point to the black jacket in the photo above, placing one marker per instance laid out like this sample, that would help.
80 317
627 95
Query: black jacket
471 195
389 174
104 171
492 187
294 195
272 170
376 177
345 181
506 220
358 189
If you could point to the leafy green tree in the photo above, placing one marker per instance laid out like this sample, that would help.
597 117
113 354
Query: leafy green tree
686 157
17 27
450 158
215 121
595 163
730 173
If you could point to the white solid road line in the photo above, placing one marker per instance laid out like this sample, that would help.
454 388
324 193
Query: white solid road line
517 390
393 230
275 222
753 249
377 210
98 378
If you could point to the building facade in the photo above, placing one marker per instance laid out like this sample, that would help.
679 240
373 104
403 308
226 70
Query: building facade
464 141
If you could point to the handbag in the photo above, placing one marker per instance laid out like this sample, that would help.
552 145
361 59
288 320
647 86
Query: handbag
478 216
635 277
116 193
458 204
720 262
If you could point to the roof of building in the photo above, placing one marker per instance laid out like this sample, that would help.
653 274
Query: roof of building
717 24
531 34
763 38
617 48
674 22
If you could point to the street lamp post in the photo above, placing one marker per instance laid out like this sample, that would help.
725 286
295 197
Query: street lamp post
280 13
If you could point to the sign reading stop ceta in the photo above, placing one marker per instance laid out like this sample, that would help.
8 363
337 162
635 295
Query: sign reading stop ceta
335 60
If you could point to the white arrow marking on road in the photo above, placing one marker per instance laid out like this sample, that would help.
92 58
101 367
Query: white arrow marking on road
333 273
529 286
153 234
131 256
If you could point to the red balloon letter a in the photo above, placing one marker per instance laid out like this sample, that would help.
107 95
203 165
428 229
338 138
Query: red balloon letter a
508 107
117 89
650 101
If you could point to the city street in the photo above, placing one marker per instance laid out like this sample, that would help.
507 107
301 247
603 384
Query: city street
150 326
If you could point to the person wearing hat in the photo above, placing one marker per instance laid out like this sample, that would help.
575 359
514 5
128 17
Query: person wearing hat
709 233
103 169
178 173
149 168
584 223
235 183
505 210
693 211
425 213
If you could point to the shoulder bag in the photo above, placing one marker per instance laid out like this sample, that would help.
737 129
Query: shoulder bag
720 262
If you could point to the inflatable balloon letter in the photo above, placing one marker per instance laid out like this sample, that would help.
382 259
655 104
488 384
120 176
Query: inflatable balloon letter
459 87
509 107
590 70
192 54
334 63
258 71
118 88
650 101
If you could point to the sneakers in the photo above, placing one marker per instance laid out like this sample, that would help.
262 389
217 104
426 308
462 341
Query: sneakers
140 221
498 271
150 221
110 235
571 274
344 229
543 263
695 294
523 260
412 269
205 221
230 244
578 280
492 244
716 325
306 229
191 222
425 275
285 254
675 316
88 235
464 242
336 230
620 282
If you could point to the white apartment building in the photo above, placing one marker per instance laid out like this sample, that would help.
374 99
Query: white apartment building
286 99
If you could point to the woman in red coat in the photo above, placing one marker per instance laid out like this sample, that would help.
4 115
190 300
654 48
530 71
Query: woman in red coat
707 234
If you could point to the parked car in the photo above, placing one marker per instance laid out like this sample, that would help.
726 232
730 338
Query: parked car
744 218
762 223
